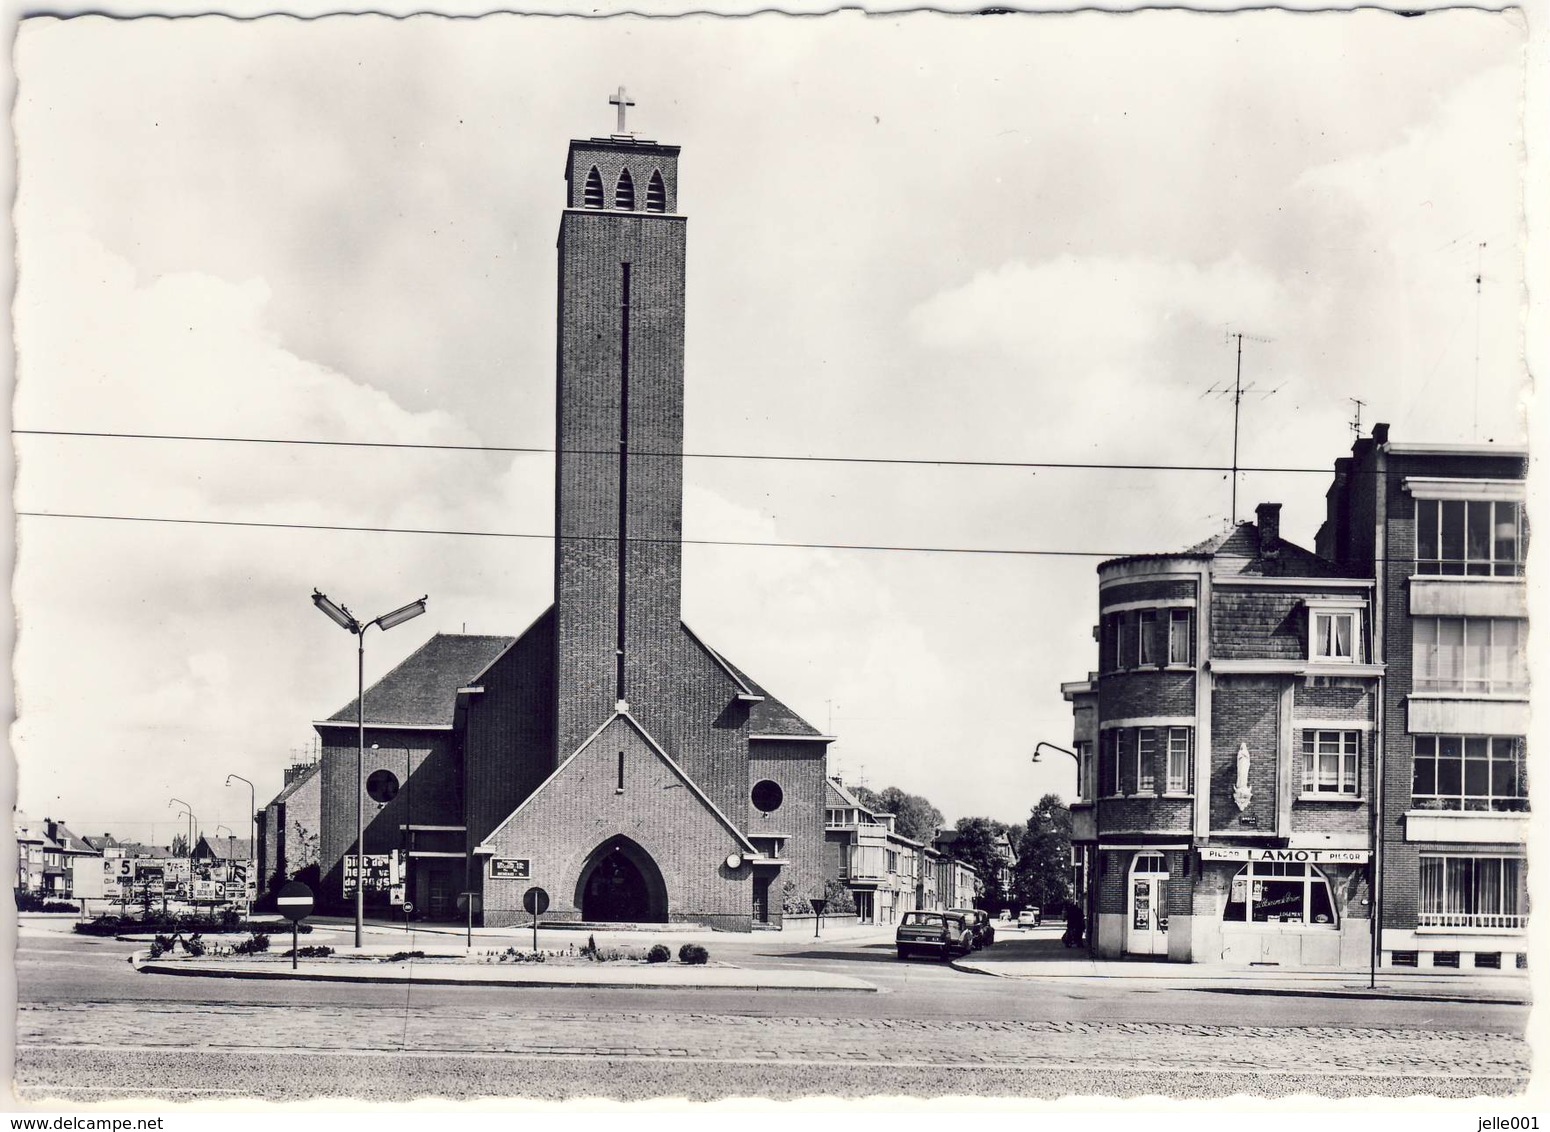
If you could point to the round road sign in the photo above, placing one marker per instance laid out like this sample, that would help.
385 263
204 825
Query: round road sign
294 901
536 901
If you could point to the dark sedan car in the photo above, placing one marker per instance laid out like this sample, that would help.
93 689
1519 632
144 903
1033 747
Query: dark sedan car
942 934
980 927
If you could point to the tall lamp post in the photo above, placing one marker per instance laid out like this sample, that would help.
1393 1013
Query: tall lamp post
1092 868
250 883
189 810
341 616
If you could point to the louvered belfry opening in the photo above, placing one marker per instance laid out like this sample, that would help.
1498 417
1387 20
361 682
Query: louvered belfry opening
624 192
656 193
592 195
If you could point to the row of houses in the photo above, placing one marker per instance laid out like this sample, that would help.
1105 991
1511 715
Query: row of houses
55 864
1282 748
888 874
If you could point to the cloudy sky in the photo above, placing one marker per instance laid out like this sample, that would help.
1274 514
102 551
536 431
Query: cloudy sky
1014 239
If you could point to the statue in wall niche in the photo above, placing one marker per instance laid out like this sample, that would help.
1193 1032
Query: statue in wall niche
1242 795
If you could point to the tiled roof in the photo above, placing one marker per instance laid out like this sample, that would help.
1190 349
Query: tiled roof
1236 551
423 688
71 843
771 717
295 784
224 848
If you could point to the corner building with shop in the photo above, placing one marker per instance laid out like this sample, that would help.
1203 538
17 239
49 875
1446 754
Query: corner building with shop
607 754
1281 748
1225 751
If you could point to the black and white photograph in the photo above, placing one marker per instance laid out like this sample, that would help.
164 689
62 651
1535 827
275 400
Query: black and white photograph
957 557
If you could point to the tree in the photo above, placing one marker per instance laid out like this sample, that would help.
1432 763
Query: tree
979 845
1043 876
180 845
914 816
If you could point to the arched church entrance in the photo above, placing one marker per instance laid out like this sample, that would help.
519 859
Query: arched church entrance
621 883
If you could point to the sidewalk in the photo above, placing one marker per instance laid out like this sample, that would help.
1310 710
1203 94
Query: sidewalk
1038 954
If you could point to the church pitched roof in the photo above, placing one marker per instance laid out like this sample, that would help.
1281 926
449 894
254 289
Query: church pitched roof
767 715
422 689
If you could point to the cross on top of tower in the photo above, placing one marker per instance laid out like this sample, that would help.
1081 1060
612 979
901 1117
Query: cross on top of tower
622 101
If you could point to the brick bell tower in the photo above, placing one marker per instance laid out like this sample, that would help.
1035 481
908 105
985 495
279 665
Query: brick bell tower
619 431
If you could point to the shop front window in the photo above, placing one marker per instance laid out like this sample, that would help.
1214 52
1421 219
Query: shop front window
1268 892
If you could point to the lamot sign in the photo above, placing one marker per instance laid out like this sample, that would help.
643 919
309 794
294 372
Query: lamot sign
1285 856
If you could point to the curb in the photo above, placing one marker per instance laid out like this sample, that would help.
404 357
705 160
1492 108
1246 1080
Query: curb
152 967
1213 983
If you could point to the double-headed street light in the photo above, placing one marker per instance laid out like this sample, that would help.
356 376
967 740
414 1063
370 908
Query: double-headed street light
250 882
341 616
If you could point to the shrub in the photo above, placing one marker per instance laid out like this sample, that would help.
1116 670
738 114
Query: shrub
693 954
111 925
32 902
401 956
156 950
311 951
658 954
839 899
255 944
194 945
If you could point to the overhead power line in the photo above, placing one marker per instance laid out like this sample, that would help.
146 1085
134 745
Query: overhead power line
1079 465
585 538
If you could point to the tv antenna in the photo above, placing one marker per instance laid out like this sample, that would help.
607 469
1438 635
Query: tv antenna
1356 420
1239 391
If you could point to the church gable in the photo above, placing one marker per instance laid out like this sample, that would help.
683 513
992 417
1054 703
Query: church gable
619 793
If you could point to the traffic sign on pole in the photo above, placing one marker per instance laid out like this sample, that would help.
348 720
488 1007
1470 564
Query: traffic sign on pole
536 901
295 904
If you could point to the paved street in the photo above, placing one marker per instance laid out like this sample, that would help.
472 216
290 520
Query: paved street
90 1028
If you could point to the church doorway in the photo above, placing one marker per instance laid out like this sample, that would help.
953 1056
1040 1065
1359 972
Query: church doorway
620 883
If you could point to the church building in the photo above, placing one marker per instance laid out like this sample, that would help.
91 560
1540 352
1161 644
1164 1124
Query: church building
607 754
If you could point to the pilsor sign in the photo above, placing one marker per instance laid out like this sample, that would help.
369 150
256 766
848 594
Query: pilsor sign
1285 856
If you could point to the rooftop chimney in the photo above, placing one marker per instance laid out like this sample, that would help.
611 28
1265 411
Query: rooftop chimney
1380 434
1269 515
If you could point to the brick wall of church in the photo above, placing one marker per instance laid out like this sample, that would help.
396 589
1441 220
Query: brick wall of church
798 768
509 737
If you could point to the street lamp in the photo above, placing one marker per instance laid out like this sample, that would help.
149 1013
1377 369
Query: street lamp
250 883
341 616
190 811
1092 867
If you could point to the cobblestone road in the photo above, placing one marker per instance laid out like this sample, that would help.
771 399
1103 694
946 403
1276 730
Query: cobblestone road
319 1050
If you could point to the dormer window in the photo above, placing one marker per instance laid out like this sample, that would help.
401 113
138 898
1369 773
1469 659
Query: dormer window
656 193
592 194
624 192
1334 631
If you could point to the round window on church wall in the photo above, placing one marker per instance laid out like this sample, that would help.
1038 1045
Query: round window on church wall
382 786
767 796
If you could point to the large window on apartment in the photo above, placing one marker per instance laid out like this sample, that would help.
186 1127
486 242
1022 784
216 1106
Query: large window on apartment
1483 655
1272 892
1146 638
1474 537
1146 760
1331 764
1178 760
1472 892
1470 772
1130 756
1084 771
1180 639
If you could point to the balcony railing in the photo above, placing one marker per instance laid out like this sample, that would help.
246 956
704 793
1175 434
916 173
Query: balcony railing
1499 921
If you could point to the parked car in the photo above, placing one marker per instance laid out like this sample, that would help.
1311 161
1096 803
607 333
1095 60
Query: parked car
979 924
943 934
1003 917
1029 918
